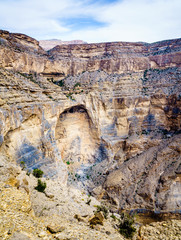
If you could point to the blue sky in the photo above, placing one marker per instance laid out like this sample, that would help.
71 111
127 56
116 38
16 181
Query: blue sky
93 21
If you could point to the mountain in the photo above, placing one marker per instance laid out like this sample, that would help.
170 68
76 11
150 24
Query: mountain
99 119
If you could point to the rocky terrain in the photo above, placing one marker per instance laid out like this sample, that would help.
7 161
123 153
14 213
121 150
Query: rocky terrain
99 119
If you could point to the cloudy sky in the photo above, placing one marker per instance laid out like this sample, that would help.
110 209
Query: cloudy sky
93 20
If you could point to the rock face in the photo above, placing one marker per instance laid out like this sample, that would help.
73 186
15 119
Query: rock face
63 60
102 116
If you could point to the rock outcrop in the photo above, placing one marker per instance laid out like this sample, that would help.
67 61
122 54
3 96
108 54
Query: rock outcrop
104 117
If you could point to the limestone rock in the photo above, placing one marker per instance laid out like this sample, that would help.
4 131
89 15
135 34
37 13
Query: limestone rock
80 218
100 117
19 236
53 228
167 230
16 215
98 218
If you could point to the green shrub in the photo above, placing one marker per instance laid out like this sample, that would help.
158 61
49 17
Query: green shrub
126 227
50 97
78 84
113 217
61 83
38 173
145 74
40 186
28 173
69 95
22 164
88 201
145 132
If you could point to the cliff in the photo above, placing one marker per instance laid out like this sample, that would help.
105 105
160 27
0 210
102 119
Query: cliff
104 117
63 60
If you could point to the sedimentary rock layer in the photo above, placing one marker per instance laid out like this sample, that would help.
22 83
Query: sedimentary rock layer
106 116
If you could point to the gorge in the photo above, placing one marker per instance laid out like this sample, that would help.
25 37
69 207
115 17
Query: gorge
100 118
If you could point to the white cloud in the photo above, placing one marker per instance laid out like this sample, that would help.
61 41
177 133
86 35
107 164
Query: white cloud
126 20
138 21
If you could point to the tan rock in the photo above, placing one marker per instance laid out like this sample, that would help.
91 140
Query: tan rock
19 236
117 130
54 228
79 218
98 218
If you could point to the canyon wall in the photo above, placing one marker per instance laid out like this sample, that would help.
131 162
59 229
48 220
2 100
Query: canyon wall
105 117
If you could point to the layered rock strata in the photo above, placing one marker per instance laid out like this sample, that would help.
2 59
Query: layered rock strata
106 116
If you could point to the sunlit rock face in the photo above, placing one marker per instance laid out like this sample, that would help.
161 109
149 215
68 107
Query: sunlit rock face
75 131
106 117
23 53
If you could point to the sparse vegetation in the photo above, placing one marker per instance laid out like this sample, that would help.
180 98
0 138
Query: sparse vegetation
22 164
28 173
69 95
77 85
50 97
113 217
104 210
145 75
126 227
28 76
40 186
77 176
38 173
88 201
50 79
61 83
145 132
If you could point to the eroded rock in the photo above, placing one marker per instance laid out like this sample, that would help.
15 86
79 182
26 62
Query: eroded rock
54 228
98 218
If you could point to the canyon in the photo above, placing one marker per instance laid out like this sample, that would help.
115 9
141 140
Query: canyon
101 118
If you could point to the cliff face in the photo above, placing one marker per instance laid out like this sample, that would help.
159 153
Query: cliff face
105 117
118 57
21 53
24 54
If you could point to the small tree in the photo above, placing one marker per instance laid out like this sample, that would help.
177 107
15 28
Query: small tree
126 227
38 173
40 186
22 164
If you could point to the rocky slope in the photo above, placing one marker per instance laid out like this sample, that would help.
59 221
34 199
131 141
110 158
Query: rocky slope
104 117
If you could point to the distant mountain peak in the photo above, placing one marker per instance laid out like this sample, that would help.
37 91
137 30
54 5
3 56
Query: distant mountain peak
51 43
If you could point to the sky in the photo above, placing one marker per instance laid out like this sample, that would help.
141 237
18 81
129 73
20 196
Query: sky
93 20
